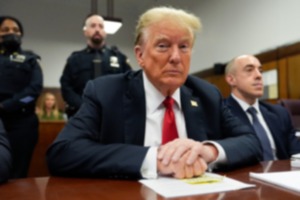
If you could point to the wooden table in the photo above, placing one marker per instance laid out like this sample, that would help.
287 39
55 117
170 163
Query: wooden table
57 188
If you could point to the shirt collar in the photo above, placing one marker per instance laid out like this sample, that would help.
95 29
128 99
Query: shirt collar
245 105
154 98
92 50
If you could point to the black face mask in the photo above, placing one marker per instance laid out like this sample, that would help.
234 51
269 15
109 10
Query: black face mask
11 42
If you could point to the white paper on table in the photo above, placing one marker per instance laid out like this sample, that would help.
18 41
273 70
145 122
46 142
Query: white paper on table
171 187
288 179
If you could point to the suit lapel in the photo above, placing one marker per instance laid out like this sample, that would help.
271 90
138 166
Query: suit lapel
193 114
237 110
275 129
135 111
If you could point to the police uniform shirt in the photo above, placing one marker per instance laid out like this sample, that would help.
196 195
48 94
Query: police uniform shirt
80 68
21 81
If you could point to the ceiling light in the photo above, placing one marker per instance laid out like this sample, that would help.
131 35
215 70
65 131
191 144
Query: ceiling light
112 24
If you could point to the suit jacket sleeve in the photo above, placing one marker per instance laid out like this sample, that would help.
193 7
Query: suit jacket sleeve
281 126
93 144
294 142
5 155
241 145
216 123
279 123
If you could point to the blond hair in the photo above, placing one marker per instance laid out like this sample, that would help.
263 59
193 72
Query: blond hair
154 15
42 108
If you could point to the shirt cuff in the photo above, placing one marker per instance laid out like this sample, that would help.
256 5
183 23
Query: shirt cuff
221 159
149 166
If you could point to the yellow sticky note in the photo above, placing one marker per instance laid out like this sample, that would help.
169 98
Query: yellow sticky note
204 179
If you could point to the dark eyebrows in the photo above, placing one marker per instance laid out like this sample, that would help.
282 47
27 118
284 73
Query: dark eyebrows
251 66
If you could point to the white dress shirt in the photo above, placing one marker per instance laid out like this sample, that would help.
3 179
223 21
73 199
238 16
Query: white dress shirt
154 114
261 119
154 123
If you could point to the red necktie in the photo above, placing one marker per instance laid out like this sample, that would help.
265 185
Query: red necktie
169 125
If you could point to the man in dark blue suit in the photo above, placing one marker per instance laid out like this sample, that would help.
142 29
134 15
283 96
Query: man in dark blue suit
5 155
118 131
244 75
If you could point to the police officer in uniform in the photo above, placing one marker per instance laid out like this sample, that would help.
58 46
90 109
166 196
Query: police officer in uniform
97 59
21 83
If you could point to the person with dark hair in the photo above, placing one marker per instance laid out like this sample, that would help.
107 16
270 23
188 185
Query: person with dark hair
5 155
157 120
97 59
21 83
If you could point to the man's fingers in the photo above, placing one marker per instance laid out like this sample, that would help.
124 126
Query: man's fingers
180 151
165 153
189 171
195 153
200 167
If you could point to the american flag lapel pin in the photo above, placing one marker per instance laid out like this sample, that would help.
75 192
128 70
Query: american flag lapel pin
194 103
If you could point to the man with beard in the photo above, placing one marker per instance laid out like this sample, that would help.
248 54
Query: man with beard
97 59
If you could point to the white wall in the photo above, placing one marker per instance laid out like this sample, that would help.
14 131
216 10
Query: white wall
230 28
233 27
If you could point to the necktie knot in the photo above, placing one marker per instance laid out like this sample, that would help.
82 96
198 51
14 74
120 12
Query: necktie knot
252 111
168 102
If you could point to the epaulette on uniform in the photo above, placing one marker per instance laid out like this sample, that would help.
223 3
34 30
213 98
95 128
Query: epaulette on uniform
115 49
78 52
31 54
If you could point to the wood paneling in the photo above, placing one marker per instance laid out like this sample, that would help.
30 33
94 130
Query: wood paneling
269 65
282 79
293 73
48 130
285 59
220 83
288 50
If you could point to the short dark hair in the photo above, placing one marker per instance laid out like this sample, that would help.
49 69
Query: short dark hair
3 18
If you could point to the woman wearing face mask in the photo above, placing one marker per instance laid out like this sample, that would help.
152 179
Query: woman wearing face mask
21 82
